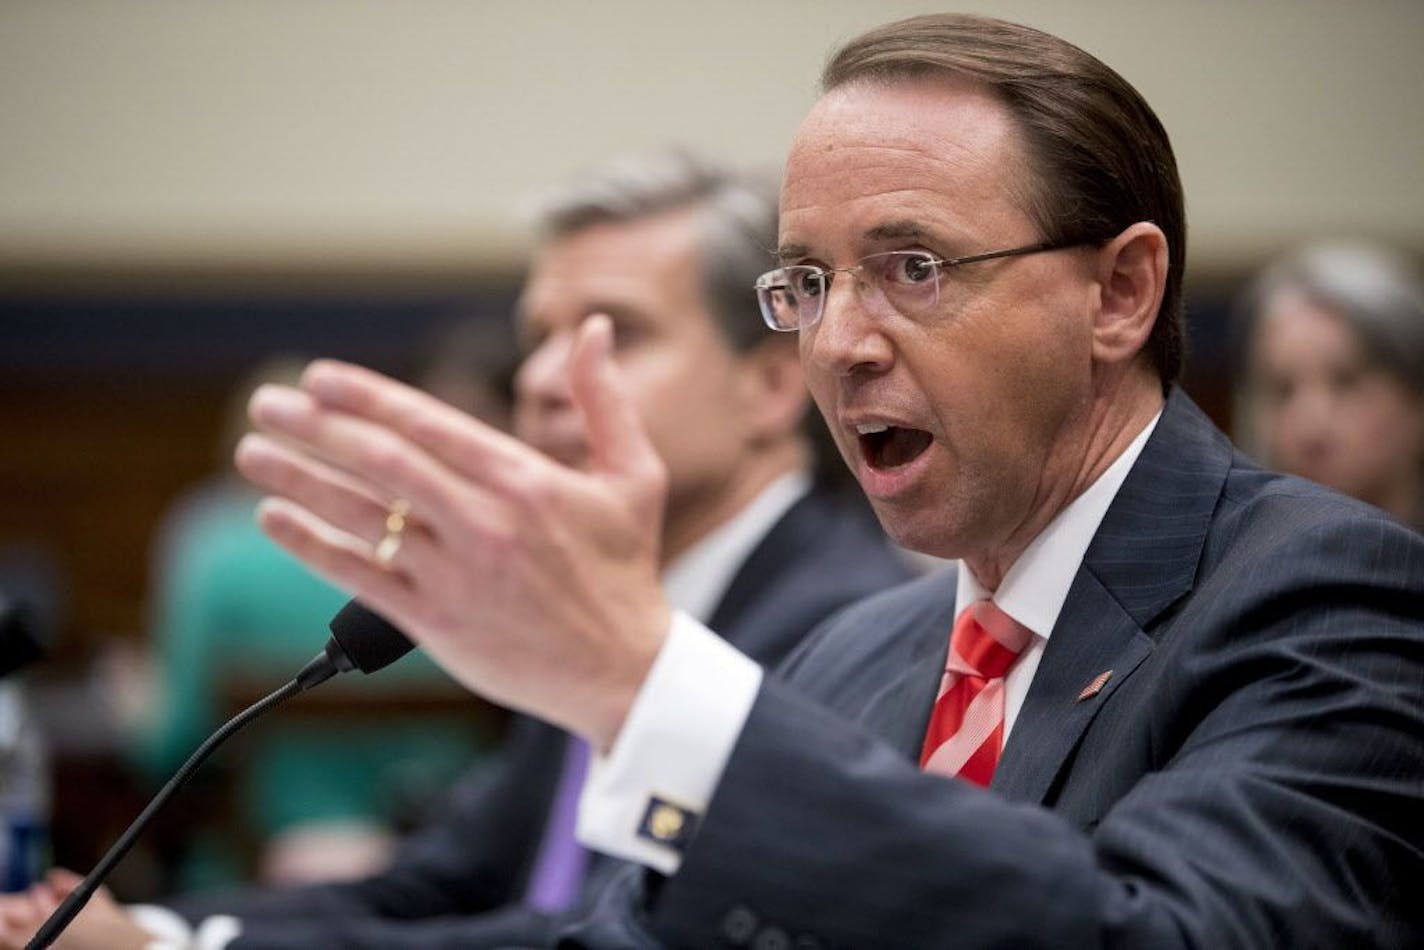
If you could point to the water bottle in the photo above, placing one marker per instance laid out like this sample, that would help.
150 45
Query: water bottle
24 790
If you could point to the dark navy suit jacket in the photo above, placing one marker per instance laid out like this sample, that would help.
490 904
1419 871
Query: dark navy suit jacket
458 881
1250 775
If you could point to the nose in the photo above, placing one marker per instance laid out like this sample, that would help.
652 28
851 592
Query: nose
1305 421
848 339
541 383
1312 407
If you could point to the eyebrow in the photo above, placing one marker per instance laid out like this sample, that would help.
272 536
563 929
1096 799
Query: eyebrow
890 231
615 311
904 228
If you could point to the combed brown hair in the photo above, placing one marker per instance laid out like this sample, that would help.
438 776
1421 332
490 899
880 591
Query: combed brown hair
1099 157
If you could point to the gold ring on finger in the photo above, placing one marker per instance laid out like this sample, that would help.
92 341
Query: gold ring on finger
390 542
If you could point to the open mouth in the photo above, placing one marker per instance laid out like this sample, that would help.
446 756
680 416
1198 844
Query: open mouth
891 446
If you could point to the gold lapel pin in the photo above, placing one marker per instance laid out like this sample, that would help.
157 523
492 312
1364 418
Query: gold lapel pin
1095 687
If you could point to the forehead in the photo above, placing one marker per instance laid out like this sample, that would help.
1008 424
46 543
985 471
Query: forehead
1295 329
939 152
648 264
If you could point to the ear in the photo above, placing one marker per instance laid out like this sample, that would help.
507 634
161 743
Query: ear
1132 275
771 389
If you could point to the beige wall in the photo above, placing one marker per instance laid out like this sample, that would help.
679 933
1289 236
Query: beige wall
337 135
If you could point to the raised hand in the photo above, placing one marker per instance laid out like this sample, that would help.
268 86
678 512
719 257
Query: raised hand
532 583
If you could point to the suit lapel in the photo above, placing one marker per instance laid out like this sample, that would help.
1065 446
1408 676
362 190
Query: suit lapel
900 711
1093 635
1142 560
793 532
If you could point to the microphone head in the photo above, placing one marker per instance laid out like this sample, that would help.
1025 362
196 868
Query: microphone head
366 640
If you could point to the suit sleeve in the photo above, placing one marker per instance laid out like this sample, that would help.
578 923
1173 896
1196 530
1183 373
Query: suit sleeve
1282 737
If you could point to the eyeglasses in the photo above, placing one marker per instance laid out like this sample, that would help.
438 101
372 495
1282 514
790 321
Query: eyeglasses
793 297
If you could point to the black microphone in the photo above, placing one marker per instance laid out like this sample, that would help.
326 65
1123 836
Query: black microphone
361 639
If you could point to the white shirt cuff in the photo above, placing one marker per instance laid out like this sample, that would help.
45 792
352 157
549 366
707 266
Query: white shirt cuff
171 932
642 801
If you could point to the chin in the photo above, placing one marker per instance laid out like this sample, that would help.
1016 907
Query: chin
920 531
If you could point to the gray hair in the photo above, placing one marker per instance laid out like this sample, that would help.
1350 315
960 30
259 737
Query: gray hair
1378 292
737 220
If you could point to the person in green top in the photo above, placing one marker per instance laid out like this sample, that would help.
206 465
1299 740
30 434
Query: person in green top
233 616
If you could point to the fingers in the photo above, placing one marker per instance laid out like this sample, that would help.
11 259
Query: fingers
460 441
617 441
337 499
371 462
341 559
23 913
18 921
327 491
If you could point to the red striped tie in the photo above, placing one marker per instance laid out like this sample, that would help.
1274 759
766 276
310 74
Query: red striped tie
966 729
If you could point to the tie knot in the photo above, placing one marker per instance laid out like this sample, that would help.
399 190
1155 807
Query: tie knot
986 641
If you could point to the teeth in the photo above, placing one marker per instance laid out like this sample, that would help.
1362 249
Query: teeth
869 428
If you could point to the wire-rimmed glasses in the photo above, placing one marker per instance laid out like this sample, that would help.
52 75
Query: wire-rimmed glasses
793 297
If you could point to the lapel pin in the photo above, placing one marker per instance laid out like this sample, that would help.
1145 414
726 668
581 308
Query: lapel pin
1095 687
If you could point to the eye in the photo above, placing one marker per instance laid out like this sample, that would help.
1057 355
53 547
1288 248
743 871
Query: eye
1278 390
805 281
910 267
529 338
630 332
1346 379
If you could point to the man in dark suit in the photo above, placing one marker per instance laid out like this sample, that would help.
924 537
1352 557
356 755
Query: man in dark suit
668 246
1194 689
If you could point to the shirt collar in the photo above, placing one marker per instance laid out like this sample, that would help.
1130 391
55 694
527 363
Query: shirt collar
1036 585
697 579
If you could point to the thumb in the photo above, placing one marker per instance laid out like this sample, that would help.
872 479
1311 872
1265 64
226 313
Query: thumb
617 442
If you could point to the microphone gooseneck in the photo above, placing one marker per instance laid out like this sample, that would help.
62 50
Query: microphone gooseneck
360 640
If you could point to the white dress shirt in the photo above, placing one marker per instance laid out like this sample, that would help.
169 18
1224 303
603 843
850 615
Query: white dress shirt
687 717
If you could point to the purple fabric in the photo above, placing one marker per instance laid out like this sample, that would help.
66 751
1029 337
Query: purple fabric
559 869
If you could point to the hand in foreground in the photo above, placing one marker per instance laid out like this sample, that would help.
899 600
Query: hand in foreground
22 913
534 584
103 924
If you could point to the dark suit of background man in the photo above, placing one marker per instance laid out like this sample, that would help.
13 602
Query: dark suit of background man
1207 680
667 246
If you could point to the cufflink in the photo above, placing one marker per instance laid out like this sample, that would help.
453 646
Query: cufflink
667 823
1095 686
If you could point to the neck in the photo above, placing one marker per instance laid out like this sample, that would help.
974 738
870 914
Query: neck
1121 407
697 518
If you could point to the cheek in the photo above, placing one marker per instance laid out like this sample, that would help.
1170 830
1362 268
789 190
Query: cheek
978 385
683 401
1388 423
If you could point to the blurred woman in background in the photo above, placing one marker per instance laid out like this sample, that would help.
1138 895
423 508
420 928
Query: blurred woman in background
1331 372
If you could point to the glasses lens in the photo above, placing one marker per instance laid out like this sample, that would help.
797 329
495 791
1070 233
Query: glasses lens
790 297
908 279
